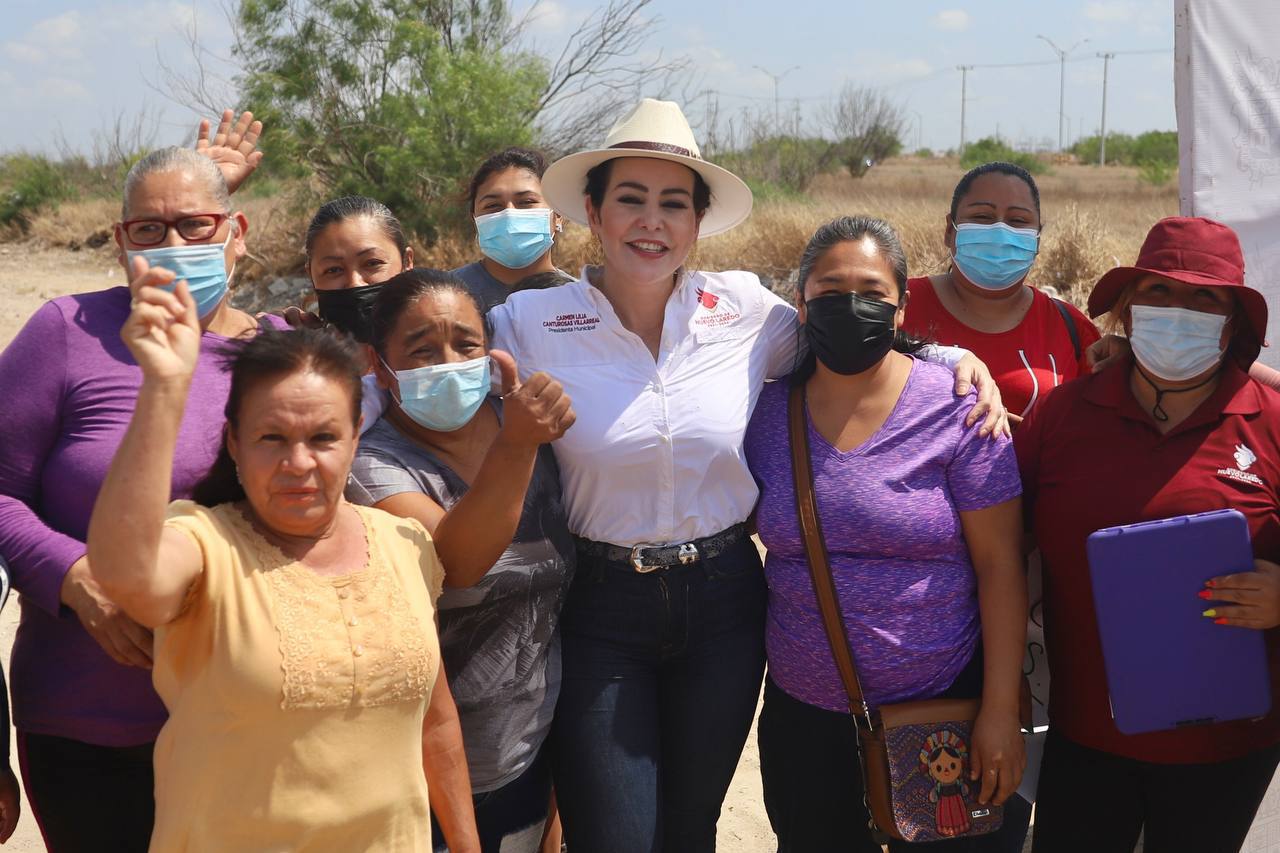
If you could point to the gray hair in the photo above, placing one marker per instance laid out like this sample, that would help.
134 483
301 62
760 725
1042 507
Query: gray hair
851 229
175 159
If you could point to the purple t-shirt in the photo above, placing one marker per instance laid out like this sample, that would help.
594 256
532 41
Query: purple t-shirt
889 512
70 386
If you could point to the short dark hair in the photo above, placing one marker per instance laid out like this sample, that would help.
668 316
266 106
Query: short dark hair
401 291
598 182
514 157
273 354
995 167
847 229
350 207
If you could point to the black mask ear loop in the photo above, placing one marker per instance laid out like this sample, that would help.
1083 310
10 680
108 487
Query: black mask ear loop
1157 411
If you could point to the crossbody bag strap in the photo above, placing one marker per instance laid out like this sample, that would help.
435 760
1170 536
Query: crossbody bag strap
824 585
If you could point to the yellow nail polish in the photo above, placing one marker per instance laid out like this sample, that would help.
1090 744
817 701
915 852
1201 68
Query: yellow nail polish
1210 613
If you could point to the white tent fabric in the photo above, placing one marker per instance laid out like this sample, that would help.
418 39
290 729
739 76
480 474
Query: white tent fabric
1227 61
1227 83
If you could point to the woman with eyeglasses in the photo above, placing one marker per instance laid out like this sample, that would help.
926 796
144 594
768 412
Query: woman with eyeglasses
84 706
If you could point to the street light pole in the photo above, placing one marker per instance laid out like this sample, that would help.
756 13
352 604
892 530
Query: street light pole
1062 84
964 100
777 78
1102 141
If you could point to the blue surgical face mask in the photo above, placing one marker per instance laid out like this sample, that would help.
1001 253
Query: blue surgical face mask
515 238
995 256
1176 344
202 266
443 397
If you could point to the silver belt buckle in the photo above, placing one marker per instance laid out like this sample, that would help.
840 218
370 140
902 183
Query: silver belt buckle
637 559
687 554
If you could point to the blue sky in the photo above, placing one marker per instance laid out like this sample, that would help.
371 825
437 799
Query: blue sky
68 69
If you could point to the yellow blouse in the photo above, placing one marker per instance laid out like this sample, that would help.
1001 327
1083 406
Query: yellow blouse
296 700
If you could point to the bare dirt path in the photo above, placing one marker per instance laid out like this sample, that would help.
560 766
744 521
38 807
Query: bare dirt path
29 277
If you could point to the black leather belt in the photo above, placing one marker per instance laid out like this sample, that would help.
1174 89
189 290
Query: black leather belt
647 558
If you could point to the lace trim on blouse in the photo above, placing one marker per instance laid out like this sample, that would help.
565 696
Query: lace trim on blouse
346 641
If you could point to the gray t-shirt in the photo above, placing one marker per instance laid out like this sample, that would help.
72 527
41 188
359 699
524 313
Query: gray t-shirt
489 292
499 638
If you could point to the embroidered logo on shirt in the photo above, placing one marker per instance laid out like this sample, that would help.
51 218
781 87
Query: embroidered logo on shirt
712 318
571 323
1244 458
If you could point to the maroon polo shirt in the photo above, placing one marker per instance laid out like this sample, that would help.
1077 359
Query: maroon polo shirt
1091 458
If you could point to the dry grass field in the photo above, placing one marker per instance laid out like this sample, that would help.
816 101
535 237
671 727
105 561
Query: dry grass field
1094 219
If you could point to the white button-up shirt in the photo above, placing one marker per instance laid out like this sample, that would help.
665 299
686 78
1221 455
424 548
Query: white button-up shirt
655 456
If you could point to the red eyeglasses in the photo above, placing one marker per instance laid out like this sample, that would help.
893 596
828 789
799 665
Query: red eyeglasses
195 226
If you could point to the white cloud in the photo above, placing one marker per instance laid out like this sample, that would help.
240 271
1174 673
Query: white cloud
552 19
59 38
1108 13
955 20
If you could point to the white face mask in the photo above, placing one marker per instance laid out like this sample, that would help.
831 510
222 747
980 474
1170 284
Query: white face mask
1176 344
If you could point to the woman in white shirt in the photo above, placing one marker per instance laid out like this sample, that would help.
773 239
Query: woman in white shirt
663 629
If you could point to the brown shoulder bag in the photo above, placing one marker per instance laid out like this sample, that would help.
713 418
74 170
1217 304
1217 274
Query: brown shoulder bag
914 755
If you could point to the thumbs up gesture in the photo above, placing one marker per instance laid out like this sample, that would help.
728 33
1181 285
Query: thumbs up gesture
535 412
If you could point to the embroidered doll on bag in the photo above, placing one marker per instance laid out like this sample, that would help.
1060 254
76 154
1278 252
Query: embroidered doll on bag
943 759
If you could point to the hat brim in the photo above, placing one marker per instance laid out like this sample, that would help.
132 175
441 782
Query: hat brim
564 185
1114 281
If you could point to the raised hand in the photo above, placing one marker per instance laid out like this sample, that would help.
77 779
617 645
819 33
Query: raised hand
163 328
535 412
234 148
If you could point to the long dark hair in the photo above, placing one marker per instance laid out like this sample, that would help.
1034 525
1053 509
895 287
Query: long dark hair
271 355
852 229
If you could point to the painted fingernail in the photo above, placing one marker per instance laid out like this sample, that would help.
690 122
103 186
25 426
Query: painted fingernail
1210 613
1210 584
1219 621
1205 594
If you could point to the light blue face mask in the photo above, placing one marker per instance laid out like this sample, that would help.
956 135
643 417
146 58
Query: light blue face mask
515 238
443 397
203 267
995 256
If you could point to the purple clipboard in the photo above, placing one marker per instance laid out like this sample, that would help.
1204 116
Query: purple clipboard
1167 665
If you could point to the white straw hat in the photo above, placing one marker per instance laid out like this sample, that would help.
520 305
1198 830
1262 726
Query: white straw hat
658 130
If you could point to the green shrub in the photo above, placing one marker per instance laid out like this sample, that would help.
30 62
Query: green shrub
29 182
924 153
781 165
397 100
989 149
1156 173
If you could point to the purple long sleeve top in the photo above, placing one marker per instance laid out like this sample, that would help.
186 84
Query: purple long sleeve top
70 387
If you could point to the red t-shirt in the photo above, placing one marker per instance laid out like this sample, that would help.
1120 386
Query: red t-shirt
1027 361
1091 457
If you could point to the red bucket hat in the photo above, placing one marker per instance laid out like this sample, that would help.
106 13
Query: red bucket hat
1195 251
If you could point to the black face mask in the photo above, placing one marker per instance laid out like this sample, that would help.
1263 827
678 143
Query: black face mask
350 309
849 333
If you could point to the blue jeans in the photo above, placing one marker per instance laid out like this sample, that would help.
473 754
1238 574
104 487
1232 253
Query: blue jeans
661 676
